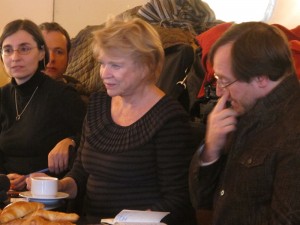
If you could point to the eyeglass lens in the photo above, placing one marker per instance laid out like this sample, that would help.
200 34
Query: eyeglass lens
22 50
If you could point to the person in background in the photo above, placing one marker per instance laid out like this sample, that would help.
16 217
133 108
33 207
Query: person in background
248 170
59 45
39 118
136 142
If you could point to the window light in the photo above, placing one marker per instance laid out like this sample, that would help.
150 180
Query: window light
242 10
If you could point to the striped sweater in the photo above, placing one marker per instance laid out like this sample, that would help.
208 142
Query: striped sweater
141 166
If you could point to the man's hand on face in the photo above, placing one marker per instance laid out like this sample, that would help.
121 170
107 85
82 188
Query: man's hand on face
221 121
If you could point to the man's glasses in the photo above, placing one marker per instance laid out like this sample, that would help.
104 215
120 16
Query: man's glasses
223 85
22 50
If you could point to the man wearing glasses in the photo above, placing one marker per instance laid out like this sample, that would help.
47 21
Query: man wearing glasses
248 170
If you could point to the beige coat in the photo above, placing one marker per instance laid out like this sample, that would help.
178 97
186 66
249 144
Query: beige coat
4 78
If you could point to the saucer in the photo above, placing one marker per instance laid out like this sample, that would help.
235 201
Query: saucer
59 195
49 202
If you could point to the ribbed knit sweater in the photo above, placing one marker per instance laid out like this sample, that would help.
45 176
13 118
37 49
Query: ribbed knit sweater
141 166
55 112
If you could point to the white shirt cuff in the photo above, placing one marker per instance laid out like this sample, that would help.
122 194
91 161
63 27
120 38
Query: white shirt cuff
201 163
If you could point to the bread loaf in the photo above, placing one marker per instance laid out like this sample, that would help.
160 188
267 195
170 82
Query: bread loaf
37 220
15 222
18 210
57 216
32 213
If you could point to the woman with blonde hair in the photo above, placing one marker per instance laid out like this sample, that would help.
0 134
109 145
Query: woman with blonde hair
136 143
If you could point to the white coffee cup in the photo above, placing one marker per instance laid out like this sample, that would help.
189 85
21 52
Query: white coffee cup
44 186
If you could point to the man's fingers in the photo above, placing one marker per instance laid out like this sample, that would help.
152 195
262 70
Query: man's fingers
221 104
228 117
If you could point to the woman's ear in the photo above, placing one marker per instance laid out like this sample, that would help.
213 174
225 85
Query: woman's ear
144 71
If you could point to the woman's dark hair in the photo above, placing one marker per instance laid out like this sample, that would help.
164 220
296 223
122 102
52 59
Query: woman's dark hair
33 30
257 49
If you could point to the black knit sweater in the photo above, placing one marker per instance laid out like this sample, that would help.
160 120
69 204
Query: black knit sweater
141 166
54 113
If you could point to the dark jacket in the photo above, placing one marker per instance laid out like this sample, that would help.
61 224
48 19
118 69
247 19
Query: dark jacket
258 181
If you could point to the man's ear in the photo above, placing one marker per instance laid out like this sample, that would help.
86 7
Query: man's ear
262 81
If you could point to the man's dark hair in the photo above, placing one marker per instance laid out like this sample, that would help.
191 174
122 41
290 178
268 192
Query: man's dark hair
257 49
53 26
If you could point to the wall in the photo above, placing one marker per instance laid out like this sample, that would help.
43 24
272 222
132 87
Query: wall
287 13
77 15
36 10
74 15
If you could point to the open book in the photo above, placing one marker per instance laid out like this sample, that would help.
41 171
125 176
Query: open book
136 217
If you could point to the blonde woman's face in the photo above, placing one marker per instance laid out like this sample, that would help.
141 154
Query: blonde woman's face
21 66
121 75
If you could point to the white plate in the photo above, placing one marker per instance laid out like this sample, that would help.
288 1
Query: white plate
59 195
49 204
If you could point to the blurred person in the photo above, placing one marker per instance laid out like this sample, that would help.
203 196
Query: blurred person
59 45
248 170
136 142
40 119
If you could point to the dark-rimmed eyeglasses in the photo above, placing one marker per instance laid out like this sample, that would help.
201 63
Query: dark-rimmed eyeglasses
22 50
223 85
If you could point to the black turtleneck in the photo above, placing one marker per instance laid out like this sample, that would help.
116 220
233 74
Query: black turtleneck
55 112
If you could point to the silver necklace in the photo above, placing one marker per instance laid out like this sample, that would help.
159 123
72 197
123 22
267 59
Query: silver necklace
19 115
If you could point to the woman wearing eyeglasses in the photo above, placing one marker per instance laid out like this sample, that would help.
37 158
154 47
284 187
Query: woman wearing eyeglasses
39 117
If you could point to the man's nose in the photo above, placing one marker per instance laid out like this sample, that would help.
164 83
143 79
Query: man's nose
51 56
219 91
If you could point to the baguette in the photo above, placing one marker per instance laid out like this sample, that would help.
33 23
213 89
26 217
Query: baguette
57 216
37 220
18 210
15 222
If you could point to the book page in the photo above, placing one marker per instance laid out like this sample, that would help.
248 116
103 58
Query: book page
137 223
136 216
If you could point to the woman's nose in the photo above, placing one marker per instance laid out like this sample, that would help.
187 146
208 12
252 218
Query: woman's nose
103 71
15 55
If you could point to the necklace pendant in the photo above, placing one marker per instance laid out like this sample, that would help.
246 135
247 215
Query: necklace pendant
16 104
